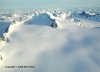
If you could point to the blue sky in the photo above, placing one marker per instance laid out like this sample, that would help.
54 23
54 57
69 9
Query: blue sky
35 4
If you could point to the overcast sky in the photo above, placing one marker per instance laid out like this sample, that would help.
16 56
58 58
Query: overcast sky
35 4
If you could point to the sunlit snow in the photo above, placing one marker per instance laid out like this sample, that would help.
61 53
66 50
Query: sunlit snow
51 40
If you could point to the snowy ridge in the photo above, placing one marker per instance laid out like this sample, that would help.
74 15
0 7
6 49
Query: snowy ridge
50 40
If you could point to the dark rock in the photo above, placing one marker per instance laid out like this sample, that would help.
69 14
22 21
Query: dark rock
83 13
6 31
1 39
1 58
54 25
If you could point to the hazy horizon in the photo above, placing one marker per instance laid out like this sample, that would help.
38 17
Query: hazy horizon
44 4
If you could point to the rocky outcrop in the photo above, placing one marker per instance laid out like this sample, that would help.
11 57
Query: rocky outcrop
3 37
1 58
54 24
86 15
76 20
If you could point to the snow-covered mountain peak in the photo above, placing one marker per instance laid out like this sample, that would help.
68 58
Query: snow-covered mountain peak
51 40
